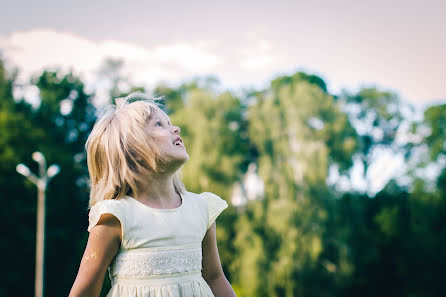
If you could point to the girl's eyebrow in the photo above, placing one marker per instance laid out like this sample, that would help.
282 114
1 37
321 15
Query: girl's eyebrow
167 119
158 118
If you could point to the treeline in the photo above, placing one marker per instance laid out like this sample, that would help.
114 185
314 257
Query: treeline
301 236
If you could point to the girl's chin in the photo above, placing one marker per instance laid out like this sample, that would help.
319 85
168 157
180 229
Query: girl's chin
179 158
185 158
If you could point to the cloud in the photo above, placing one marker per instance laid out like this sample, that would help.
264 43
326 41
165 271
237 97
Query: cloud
260 57
251 62
35 50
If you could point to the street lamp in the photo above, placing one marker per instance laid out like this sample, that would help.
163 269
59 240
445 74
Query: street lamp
41 183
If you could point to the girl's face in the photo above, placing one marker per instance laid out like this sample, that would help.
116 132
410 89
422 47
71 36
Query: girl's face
168 140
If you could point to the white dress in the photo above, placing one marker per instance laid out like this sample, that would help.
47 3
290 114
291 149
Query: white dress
160 253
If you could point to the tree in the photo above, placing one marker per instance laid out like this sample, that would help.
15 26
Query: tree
435 121
299 131
58 127
18 136
378 117
214 133
67 115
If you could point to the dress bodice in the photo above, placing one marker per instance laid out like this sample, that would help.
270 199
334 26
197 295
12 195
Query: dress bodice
160 247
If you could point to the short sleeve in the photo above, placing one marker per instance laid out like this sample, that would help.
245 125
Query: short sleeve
215 206
100 208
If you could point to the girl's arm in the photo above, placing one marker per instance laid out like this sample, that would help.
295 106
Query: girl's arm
102 246
212 270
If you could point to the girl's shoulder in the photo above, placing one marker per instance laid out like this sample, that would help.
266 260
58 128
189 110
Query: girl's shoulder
206 199
211 203
111 204
116 207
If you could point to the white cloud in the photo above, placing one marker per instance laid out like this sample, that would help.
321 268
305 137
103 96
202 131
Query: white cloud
258 58
253 62
35 50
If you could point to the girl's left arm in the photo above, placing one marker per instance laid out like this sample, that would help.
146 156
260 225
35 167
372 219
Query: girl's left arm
212 270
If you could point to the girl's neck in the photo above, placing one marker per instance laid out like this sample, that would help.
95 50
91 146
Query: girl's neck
159 192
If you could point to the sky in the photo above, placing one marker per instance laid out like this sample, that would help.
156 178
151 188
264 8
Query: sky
396 45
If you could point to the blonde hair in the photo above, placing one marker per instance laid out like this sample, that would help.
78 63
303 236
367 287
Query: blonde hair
120 151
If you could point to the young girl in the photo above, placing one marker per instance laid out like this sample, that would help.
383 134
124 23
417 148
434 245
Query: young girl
157 239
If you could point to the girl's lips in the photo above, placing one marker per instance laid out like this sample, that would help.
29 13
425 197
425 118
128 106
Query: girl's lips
178 139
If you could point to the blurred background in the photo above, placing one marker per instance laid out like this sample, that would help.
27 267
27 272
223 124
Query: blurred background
322 123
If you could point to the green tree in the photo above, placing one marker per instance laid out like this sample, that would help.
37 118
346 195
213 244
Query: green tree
58 127
67 115
214 133
18 136
211 127
378 117
299 131
435 123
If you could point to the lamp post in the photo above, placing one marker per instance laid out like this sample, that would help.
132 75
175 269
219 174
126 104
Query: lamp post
41 183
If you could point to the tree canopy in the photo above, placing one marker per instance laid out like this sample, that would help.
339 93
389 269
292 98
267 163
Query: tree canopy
301 237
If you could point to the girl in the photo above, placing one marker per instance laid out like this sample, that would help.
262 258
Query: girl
157 239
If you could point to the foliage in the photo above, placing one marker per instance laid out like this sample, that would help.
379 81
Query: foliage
302 239
291 125
60 134
435 120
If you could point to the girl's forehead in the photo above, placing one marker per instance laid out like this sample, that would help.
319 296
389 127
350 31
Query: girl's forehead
161 115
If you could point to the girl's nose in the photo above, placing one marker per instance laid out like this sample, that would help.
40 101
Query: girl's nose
176 129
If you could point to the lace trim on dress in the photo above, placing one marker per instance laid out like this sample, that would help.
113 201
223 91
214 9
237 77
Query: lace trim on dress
157 261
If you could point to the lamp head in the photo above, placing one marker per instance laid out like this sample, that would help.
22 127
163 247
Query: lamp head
38 157
53 170
23 170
